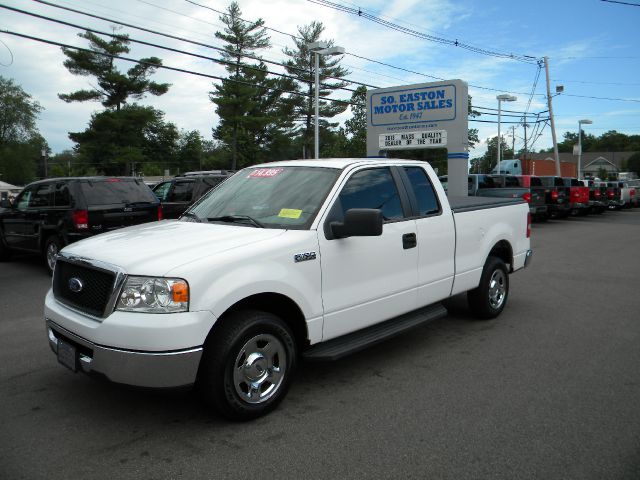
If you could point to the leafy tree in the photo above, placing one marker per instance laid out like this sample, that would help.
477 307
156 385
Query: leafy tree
113 87
488 161
18 113
356 126
301 65
190 150
633 163
21 162
121 142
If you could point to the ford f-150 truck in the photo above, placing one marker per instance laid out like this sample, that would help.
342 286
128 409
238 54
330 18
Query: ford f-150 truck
311 259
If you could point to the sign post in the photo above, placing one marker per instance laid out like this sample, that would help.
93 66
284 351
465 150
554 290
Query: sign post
425 115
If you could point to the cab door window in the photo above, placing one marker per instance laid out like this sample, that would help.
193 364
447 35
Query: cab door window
162 191
372 188
24 200
182 191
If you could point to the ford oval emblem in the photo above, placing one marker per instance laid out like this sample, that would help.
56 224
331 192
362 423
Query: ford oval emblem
75 285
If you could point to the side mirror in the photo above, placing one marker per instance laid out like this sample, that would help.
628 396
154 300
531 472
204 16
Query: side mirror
359 222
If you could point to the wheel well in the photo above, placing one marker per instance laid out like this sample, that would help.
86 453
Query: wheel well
503 251
279 305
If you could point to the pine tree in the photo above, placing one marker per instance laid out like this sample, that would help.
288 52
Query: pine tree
236 96
301 65
114 87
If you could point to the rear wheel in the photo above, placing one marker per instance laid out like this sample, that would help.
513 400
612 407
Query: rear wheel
52 246
490 297
247 365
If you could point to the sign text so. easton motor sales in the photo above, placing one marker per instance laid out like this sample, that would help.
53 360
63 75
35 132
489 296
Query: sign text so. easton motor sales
417 106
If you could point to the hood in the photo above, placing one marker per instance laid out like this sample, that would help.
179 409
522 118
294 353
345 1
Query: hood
155 248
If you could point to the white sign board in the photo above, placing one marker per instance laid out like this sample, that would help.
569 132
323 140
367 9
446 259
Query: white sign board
420 139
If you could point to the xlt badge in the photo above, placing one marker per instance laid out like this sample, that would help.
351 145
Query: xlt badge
303 257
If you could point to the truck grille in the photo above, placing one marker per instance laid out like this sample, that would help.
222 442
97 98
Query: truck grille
96 287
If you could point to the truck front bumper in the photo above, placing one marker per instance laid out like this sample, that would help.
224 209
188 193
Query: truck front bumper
143 369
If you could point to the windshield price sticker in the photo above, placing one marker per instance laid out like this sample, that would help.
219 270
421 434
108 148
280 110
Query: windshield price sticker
265 172
421 139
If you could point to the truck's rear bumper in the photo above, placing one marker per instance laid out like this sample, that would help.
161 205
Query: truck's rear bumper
522 260
142 369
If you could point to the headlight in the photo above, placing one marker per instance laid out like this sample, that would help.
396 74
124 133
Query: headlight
154 295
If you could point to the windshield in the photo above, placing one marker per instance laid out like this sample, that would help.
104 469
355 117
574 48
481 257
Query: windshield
273 197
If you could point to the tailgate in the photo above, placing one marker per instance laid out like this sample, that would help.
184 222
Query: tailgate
109 217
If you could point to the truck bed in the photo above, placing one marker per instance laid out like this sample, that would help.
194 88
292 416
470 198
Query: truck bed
469 204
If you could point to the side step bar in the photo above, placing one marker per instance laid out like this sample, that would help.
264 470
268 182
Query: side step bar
354 342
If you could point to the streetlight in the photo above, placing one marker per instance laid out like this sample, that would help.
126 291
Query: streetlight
581 122
502 98
320 48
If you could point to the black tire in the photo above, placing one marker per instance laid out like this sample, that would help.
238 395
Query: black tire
5 253
236 353
488 299
51 248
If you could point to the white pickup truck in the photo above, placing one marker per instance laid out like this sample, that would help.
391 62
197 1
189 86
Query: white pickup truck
309 259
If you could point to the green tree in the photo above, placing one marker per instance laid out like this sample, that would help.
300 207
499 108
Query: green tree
114 88
356 126
633 163
18 113
301 64
488 161
131 140
236 97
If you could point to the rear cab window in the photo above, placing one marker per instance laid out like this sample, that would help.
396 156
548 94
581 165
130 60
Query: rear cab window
423 189
116 191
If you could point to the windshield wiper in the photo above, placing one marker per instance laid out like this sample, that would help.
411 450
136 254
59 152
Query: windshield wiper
191 215
237 218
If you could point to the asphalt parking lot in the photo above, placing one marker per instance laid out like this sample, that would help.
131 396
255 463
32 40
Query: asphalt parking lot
550 389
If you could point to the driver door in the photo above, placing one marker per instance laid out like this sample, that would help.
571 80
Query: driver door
366 280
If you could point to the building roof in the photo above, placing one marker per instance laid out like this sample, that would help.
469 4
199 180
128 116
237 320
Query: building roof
4 186
615 158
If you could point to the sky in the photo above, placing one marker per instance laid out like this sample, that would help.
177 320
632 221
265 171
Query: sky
592 47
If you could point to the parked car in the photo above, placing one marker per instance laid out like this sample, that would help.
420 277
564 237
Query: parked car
231 295
535 196
597 201
578 196
52 213
182 191
556 196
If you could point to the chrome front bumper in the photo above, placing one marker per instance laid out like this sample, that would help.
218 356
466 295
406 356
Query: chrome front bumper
142 369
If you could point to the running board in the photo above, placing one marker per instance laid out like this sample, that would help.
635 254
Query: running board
354 342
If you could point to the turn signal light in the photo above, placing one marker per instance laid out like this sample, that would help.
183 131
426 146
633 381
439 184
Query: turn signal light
527 197
554 195
180 292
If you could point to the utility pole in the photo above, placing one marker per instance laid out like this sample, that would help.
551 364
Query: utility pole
525 125
513 141
553 125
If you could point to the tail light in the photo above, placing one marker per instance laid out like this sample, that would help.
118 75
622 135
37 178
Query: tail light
610 193
575 194
81 219
527 197
160 214
596 193
528 224
632 193
554 195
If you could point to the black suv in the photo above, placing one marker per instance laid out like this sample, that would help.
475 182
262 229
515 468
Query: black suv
181 192
49 214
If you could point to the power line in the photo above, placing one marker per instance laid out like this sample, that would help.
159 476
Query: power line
623 3
424 36
166 67
142 42
182 39
599 83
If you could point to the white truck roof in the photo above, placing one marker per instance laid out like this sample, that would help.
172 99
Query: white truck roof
340 163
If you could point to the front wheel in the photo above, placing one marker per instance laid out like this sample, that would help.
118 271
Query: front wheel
247 365
490 297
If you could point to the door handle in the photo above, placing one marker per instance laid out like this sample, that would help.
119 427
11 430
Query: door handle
409 240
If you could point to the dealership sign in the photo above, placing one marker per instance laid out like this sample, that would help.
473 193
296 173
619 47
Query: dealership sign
425 115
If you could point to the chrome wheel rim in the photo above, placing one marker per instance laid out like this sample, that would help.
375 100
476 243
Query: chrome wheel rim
497 289
52 255
259 369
